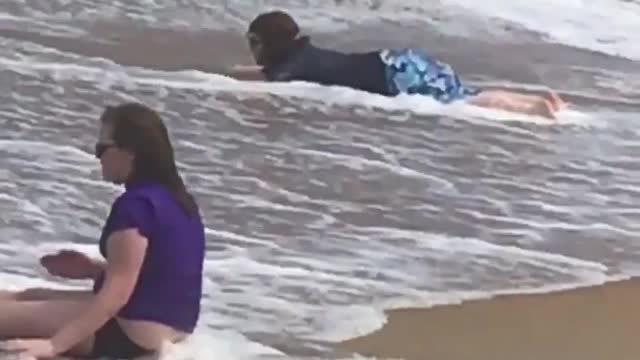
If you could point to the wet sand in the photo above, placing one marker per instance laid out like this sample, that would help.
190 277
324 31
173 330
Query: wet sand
593 323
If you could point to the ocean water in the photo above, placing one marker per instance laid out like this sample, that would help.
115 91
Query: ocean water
324 206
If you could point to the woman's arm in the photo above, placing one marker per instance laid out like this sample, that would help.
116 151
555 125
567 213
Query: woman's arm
126 251
98 268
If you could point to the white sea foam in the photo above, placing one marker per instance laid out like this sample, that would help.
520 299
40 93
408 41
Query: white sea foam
326 279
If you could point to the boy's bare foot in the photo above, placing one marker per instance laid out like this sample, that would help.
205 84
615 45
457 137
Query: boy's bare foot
556 101
545 108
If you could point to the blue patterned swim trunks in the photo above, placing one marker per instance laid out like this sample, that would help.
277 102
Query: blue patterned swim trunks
411 71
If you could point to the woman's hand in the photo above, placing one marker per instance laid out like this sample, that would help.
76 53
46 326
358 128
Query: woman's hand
71 264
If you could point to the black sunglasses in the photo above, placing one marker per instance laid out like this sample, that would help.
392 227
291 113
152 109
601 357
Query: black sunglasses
101 148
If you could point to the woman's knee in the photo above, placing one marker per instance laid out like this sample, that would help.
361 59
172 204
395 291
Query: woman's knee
36 318
32 294
41 294
6 295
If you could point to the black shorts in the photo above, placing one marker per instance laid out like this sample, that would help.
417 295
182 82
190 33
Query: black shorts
111 342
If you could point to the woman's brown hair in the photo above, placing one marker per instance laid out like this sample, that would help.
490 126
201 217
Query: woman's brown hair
139 129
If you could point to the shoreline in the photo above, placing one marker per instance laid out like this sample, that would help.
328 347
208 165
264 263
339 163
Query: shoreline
586 323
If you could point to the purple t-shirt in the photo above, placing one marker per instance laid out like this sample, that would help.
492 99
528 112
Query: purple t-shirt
169 287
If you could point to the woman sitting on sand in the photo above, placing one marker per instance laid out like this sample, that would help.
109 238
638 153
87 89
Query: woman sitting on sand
148 290
283 55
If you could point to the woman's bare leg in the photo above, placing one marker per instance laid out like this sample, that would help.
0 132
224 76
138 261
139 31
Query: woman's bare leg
25 319
44 294
514 102
7 295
